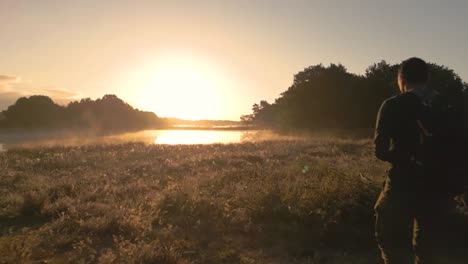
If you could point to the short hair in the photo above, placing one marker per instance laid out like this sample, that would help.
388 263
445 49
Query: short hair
414 70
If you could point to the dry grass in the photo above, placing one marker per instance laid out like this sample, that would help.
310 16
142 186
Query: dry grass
267 202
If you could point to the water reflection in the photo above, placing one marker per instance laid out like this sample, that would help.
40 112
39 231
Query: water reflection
185 136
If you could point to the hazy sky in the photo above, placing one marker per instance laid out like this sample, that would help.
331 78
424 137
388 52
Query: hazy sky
211 59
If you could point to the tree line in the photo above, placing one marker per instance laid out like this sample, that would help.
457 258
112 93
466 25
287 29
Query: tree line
331 97
106 114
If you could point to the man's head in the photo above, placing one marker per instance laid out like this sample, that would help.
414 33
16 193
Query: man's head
413 72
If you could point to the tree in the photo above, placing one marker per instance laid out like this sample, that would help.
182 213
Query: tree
447 83
36 111
106 114
331 97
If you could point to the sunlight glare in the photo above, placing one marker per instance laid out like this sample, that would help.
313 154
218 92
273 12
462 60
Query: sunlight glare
182 87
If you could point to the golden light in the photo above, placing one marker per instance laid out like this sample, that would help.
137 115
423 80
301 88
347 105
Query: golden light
197 137
180 86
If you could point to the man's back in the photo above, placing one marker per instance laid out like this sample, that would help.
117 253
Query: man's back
397 137
406 203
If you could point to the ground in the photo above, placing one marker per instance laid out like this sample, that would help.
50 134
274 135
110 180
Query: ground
291 201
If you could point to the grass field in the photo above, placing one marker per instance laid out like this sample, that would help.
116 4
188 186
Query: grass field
268 202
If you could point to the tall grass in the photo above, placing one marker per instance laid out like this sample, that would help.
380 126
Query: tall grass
268 202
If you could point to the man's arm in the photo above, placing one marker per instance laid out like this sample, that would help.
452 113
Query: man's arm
384 132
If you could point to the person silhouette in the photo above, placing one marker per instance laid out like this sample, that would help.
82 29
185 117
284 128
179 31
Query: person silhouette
411 208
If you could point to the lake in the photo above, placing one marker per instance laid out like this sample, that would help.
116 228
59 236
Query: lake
172 137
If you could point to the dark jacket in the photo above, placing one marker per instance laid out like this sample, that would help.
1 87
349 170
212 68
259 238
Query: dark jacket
397 134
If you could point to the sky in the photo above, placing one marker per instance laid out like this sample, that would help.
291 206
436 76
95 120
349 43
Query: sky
211 59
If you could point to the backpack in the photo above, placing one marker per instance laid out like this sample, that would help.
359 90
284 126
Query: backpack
443 144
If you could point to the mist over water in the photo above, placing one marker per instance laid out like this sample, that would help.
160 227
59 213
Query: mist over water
171 137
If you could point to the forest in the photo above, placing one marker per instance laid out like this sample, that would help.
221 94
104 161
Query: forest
333 98
106 114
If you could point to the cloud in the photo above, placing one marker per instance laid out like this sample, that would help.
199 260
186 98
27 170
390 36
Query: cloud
4 79
12 87
4 89
62 93
7 99
9 91
62 96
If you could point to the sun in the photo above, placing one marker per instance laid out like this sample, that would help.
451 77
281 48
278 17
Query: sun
182 87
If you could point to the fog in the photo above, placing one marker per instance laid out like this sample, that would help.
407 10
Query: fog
171 137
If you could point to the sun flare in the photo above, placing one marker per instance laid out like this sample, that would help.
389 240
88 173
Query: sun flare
182 87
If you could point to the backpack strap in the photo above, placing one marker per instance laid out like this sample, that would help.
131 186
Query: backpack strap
423 129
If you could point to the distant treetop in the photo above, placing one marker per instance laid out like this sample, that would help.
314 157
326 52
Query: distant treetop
105 114
331 97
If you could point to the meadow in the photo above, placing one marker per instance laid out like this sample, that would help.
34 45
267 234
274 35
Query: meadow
285 201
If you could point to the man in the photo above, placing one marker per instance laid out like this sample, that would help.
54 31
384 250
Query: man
409 207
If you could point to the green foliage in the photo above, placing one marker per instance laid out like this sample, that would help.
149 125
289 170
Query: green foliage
330 97
447 82
108 113
239 203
